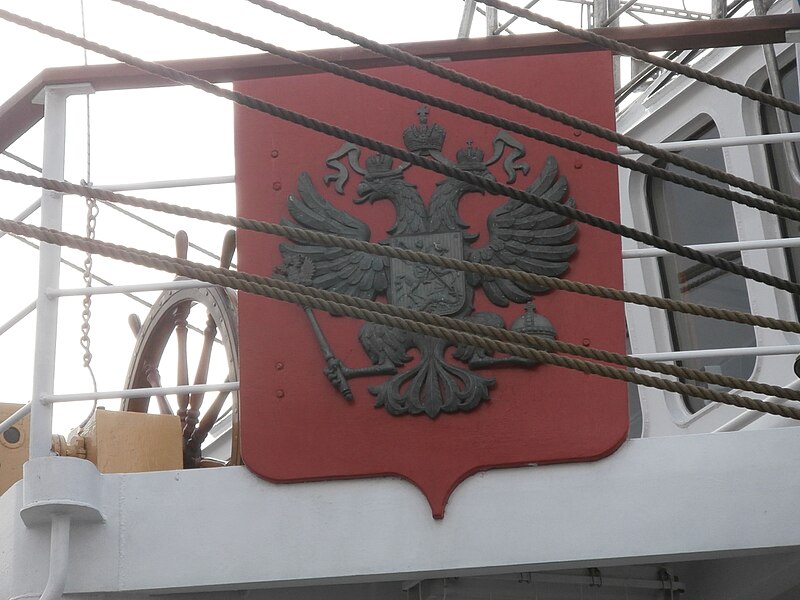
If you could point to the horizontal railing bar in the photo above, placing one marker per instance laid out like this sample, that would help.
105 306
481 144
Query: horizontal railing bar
232 386
744 140
794 242
181 284
18 317
72 265
17 416
719 353
168 183
751 416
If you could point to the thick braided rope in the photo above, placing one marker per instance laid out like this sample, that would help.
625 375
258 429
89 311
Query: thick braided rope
535 341
299 234
481 86
545 344
628 50
290 292
79 269
469 339
349 136
516 127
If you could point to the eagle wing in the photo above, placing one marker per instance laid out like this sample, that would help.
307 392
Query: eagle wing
525 237
349 272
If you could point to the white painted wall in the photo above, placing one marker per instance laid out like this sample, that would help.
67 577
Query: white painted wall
659 499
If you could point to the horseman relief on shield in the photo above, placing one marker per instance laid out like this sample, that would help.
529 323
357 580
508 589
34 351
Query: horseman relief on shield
443 378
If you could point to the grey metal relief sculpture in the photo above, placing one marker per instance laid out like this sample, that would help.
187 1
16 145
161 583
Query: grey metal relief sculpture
521 236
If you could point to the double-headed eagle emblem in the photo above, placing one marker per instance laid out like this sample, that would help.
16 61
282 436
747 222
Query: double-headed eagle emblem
521 236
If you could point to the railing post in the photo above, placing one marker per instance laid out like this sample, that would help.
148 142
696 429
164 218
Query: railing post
54 99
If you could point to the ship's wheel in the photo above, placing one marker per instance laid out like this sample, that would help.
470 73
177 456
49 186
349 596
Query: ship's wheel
164 350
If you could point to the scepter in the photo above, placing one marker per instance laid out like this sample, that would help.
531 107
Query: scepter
300 270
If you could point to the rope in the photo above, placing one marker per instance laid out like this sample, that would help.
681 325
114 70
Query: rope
79 269
160 229
495 92
299 234
91 224
628 50
701 394
360 140
88 102
385 314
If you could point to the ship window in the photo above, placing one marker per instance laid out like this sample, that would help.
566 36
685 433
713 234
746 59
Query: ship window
688 216
634 401
780 171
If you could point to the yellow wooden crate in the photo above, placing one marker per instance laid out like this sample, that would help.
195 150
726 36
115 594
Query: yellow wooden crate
116 442
13 447
129 442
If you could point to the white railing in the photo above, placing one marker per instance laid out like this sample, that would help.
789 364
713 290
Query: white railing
167 183
745 140
738 246
180 284
141 392
16 417
40 407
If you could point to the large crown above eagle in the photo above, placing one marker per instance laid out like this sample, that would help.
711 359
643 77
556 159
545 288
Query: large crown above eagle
424 138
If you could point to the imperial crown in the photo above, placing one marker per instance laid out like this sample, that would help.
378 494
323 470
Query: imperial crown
470 158
424 138
534 323
379 165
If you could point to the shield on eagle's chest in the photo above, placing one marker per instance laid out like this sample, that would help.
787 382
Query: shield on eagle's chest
430 288
332 397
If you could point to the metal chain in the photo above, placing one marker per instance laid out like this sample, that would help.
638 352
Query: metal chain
86 342
92 211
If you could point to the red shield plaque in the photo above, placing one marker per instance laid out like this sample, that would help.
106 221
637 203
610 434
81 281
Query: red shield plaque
417 407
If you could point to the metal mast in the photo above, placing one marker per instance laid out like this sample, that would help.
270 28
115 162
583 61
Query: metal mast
598 14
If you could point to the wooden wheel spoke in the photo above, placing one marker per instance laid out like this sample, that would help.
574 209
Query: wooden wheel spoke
209 419
163 334
203 364
181 331
154 379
